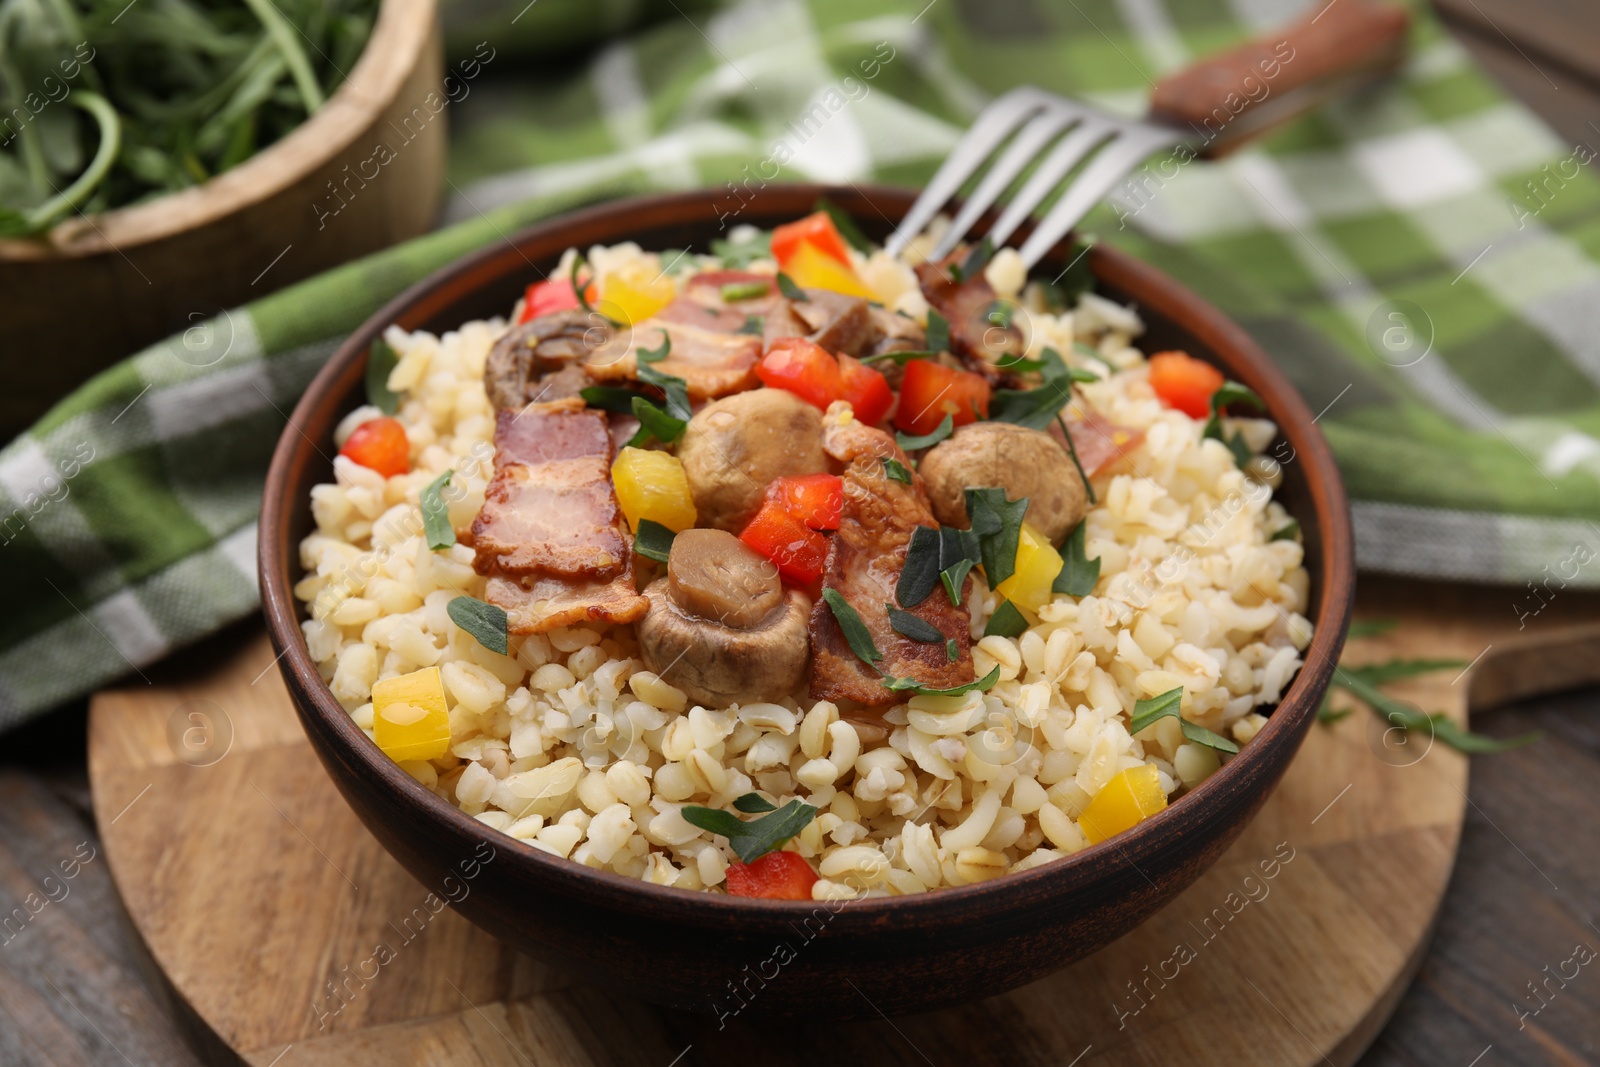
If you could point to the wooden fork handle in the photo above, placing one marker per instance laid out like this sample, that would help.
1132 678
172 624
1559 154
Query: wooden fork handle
1241 93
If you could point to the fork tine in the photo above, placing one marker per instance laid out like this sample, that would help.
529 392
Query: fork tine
1066 155
1132 144
1039 132
993 125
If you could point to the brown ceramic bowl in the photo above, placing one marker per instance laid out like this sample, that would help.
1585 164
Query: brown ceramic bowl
693 950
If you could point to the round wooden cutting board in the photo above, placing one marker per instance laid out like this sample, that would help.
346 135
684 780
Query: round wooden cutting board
264 902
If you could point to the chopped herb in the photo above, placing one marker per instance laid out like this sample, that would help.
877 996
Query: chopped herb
977 258
982 685
578 289
1327 714
938 332
1236 444
1232 392
653 540
654 424
485 622
1372 627
1091 353
676 260
927 440
1019 364
1077 279
997 522
1006 621
752 839
658 353
436 514
1167 704
610 398
908 625
1037 408
952 651
752 325
1000 314
1078 573
900 356
953 577
920 572
1072 451
754 804
896 470
1439 725
1290 531
844 224
737 255
675 388
788 288
856 634
381 360
958 554
737 291
1395 670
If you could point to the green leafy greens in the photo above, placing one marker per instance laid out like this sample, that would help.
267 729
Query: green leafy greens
381 361
1078 573
436 514
485 622
653 540
753 838
1168 704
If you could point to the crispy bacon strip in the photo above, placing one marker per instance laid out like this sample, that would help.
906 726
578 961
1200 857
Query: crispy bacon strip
865 558
1099 441
550 535
711 358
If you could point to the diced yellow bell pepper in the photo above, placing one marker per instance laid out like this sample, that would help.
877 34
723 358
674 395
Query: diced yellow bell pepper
409 717
1038 564
810 268
633 295
651 485
1131 797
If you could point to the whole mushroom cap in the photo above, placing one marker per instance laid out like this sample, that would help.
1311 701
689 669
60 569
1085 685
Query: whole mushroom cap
734 447
1023 462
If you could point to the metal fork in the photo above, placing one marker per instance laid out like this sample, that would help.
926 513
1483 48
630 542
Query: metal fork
1210 107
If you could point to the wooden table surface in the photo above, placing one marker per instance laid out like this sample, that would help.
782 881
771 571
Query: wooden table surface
76 988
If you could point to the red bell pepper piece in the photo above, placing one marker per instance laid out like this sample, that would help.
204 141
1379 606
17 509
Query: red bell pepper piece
775 876
550 296
930 391
867 390
1185 383
812 374
816 230
814 499
381 445
798 551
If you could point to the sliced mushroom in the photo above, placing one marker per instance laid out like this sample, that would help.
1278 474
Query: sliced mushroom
524 363
720 625
735 446
1023 462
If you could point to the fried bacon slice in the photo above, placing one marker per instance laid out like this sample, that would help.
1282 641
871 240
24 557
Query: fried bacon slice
865 558
1098 441
550 535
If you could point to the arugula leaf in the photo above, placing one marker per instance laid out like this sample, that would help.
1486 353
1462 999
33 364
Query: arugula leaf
1091 353
657 354
982 685
754 804
1290 531
1231 392
928 440
788 288
1395 670
1019 364
654 423
750 840
1372 627
1236 444
1167 704
920 572
952 650
1078 573
844 224
738 255
938 332
1006 621
896 470
653 540
1398 713
1037 408
675 388
958 554
381 359
610 398
908 625
485 622
436 514
998 524
752 326
952 578
736 291
856 634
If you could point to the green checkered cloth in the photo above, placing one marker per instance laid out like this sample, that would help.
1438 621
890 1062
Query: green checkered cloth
1388 252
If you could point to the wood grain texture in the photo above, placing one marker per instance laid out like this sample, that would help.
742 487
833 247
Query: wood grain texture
1364 833
161 268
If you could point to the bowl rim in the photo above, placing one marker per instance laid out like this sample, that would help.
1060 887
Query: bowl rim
402 30
1210 801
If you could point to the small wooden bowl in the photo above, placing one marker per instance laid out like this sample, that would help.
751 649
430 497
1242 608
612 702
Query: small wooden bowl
96 289
714 953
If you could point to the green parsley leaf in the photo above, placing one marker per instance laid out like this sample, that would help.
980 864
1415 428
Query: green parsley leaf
1006 621
1091 353
750 840
856 634
928 440
1072 453
754 804
998 524
1000 313
1167 704
952 650
1327 714
1231 392
579 287
1077 279
653 540
958 554
1441 726
982 685
610 398
1078 573
953 577
788 288
675 388
844 224
908 625
920 571
654 424
1395 670
938 332
436 514
737 291
896 470
381 359
1290 531
736 256
1372 627
485 622
752 326
658 353
1037 408
900 356
977 258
